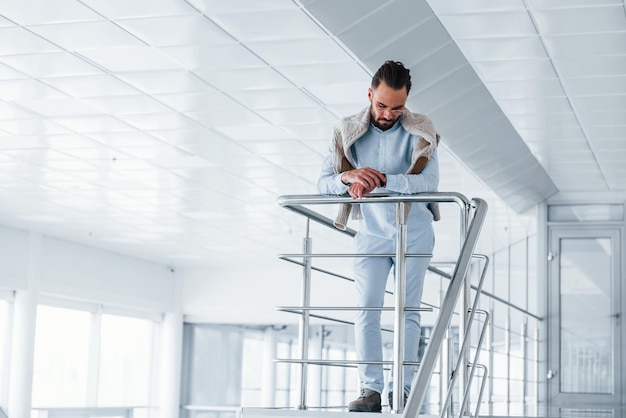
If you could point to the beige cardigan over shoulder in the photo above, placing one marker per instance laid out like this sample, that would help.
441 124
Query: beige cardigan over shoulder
351 128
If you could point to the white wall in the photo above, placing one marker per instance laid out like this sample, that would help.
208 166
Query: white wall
79 272
241 293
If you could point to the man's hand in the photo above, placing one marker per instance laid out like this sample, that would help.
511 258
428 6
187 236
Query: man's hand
357 190
368 177
362 181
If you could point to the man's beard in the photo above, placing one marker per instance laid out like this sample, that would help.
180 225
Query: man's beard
376 123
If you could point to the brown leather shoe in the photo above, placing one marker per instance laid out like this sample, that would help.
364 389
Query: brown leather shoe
368 401
391 400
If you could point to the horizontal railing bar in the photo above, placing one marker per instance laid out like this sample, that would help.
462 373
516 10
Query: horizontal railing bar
351 308
484 292
348 255
328 318
330 273
341 321
295 202
342 362
316 199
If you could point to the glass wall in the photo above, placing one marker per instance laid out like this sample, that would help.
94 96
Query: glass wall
511 346
61 365
5 328
89 359
226 366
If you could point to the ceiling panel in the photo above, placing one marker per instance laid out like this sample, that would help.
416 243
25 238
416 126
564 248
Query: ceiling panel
139 58
231 55
53 64
587 44
176 30
23 41
91 86
268 26
502 49
519 69
587 20
489 25
86 35
33 12
119 9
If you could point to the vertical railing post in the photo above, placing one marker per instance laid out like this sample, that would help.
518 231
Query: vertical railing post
449 347
466 303
305 301
490 341
507 349
537 367
445 365
524 348
399 311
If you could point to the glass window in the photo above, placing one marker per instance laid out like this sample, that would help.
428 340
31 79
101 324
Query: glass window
4 349
587 323
501 274
286 375
518 272
88 359
212 375
61 361
585 213
533 294
125 361
252 372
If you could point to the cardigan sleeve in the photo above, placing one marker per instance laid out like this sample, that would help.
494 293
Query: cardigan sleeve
426 181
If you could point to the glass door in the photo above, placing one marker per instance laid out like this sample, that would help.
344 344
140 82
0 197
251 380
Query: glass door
584 364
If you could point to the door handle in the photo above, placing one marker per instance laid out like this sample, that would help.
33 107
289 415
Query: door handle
551 374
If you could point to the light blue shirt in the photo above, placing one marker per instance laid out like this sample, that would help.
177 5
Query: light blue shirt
389 152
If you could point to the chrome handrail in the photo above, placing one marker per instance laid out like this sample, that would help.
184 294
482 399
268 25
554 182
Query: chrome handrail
296 203
422 378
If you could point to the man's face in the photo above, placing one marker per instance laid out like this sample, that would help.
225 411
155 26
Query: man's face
387 105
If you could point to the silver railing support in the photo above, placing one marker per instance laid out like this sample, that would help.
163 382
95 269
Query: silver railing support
400 305
305 300
427 366
464 349
482 388
464 319
474 364
458 285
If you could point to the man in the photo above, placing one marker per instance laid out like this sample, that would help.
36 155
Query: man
384 148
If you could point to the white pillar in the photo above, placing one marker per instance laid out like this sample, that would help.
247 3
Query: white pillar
23 337
268 385
171 354
314 397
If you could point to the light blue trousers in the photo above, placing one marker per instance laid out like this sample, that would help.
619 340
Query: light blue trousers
370 274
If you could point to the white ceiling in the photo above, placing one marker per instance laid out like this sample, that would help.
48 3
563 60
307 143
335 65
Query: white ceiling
166 129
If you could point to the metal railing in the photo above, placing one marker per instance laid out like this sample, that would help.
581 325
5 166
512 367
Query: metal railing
471 219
